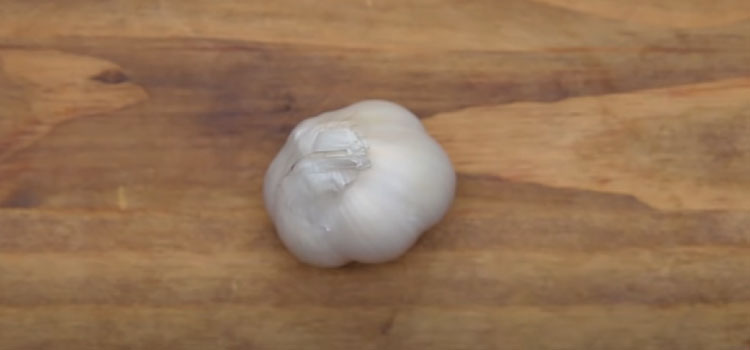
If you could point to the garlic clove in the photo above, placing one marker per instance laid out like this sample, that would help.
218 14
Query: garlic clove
357 184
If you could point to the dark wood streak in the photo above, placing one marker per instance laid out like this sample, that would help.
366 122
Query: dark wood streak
247 77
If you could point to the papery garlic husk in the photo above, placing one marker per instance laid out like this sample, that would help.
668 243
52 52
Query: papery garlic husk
360 183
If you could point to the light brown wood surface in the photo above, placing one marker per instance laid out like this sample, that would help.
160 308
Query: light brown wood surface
603 152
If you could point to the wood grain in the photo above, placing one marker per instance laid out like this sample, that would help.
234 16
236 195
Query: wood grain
677 148
602 151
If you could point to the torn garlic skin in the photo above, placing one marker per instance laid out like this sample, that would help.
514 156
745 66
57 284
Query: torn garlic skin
357 184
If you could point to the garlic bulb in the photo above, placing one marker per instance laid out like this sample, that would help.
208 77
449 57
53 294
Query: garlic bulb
357 184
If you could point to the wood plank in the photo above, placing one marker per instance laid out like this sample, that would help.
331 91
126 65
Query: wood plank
680 14
389 24
268 327
655 277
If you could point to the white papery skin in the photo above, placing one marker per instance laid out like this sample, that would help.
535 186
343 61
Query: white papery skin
357 184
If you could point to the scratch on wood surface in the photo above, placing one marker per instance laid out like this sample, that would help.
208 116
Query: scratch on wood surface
387 325
122 199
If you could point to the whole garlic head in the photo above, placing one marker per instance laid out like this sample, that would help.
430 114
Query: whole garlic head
357 184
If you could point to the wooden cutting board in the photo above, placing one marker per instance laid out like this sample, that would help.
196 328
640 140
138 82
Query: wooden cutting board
603 152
